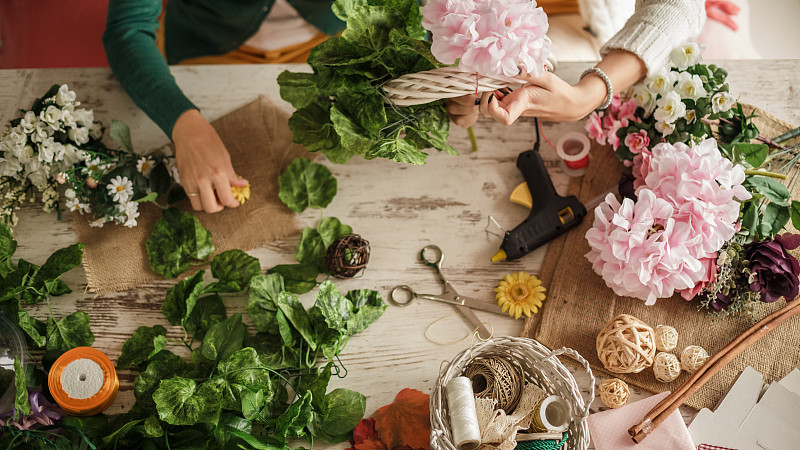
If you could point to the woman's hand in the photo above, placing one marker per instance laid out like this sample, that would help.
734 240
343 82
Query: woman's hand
462 110
204 164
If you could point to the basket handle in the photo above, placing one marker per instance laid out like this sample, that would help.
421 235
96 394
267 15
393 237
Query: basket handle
576 356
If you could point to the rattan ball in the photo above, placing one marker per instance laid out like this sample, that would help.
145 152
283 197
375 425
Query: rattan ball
496 378
666 338
614 392
693 357
347 256
666 367
626 345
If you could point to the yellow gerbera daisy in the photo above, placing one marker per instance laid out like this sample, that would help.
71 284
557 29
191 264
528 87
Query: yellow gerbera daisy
520 293
241 193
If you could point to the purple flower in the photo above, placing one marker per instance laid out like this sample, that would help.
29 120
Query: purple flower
722 302
774 271
43 413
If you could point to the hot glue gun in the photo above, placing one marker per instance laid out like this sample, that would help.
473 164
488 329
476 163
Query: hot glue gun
551 214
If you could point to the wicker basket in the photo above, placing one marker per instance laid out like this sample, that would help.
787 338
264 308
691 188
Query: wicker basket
541 366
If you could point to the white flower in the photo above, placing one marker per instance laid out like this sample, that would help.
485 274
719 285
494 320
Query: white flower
64 95
79 135
690 116
73 204
661 82
51 116
25 154
690 86
665 128
17 138
670 108
145 165
83 117
121 188
173 169
41 132
722 101
685 55
71 155
10 167
644 99
69 193
67 119
47 150
28 122
96 130
38 176
131 210
98 223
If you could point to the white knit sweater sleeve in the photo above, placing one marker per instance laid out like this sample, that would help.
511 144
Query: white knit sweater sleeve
656 27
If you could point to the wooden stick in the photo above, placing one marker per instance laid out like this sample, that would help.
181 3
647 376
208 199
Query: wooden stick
664 408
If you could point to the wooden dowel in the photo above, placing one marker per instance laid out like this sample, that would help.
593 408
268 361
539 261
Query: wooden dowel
669 404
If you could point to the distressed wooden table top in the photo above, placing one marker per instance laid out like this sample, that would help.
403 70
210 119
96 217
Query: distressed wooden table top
398 208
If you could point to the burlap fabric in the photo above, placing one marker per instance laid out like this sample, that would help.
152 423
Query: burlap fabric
579 303
258 138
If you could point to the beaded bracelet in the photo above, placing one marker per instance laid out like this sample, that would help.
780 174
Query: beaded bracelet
609 88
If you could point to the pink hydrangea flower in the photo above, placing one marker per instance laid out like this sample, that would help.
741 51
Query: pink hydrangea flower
710 264
640 250
636 142
490 37
603 126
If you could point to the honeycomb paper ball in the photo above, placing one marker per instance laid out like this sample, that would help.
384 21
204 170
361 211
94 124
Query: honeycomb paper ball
626 345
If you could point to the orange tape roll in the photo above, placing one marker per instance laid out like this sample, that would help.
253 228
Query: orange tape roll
83 382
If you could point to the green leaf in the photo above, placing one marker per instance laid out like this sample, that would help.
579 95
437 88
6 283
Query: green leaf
369 26
121 432
292 422
121 134
298 278
299 89
335 308
160 179
290 305
368 306
312 250
236 266
306 184
208 311
272 353
21 405
7 248
227 422
364 105
177 239
253 404
355 140
163 366
224 339
754 154
284 329
151 197
60 262
773 220
330 228
254 441
343 8
152 427
159 343
70 332
398 149
312 128
343 410
139 347
182 298
317 384
36 329
264 291
180 401
241 372
795 212
771 188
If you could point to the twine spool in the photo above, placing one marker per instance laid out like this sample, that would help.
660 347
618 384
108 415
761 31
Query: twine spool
666 338
666 367
83 381
463 415
551 414
626 345
347 256
693 357
614 392
496 378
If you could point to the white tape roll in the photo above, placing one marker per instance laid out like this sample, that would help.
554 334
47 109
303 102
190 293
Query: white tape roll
82 378
573 148
463 416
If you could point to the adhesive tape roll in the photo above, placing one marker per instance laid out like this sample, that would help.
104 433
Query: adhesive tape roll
573 148
463 416
551 414
83 381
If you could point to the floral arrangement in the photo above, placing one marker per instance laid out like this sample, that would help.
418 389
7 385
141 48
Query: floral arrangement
706 207
55 142
491 37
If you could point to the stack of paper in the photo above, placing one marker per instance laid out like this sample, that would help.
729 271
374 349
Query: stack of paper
744 421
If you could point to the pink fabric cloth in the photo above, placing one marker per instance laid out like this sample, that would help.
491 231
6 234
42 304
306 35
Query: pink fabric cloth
609 429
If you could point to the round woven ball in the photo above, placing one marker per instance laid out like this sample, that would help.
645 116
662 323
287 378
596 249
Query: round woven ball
693 357
626 345
347 256
666 338
614 392
496 378
666 367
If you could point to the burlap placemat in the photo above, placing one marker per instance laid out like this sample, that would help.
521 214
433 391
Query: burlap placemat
259 140
579 303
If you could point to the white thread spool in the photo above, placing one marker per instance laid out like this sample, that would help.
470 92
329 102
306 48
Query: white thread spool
551 414
463 416
82 378
573 149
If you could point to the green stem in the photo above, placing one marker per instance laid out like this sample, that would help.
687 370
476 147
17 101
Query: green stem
473 142
779 176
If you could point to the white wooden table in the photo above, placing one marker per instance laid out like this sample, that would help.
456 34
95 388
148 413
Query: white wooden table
398 208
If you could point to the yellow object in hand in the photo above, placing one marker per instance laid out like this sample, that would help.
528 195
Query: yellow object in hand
241 193
520 293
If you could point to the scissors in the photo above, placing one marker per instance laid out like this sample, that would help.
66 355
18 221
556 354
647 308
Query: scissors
464 304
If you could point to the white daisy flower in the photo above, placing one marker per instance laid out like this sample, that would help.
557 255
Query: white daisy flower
121 188
145 165
91 166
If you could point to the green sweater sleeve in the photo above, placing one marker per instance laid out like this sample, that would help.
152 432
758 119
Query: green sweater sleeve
130 44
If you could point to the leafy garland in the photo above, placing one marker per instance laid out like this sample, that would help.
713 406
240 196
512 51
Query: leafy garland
340 110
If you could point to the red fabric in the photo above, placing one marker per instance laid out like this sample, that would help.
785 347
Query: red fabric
721 11
52 33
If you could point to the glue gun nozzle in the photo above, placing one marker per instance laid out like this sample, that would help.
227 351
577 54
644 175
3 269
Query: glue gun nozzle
499 256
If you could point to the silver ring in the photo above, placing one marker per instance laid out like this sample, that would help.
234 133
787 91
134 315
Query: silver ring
192 194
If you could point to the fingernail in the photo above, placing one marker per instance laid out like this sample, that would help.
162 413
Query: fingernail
491 96
477 101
